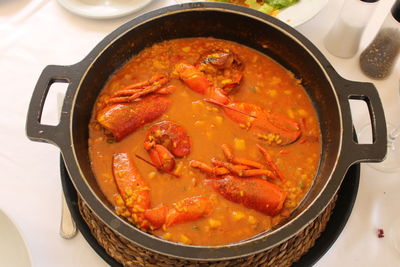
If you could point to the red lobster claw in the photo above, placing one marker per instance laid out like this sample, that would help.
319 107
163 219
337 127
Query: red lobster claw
254 193
165 141
193 78
189 209
133 190
186 210
275 129
162 158
198 82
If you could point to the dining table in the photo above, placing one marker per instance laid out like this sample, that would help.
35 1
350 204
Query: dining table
37 33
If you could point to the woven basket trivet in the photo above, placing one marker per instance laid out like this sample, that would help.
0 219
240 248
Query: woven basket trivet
129 254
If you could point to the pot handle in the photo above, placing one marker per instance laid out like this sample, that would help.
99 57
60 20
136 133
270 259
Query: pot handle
353 151
35 130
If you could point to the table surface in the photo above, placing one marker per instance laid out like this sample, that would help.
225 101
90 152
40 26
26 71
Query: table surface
36 33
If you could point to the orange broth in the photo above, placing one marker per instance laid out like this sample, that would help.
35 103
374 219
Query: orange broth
265 83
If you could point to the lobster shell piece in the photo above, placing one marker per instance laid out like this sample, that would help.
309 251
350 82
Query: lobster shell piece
123 119
254 193
170 135
192 77
185 210
130 182
285 130
189 209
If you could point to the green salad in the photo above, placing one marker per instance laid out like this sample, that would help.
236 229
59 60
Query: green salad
266 6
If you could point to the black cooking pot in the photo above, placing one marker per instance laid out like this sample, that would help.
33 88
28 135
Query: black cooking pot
329 93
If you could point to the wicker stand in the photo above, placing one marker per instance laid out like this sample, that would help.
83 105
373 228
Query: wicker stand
129 254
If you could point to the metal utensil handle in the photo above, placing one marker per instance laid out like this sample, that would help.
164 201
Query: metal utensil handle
68 228
35 130
355 152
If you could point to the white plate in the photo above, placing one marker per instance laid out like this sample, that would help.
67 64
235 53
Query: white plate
301 12
13 251
103 9
294 15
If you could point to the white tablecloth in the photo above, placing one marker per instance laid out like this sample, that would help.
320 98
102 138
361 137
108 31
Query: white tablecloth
37 33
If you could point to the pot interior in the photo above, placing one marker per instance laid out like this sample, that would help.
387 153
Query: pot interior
268 36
